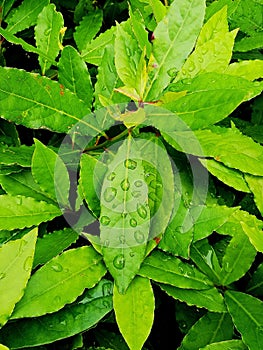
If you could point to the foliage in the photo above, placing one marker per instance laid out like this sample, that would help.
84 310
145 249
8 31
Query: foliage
131 176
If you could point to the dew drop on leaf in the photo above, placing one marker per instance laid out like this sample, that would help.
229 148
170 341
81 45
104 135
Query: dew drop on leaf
119 262
2 275
122 239
105 220
142 212
107 289
111 176
125 185
130 164
133 222
106 243
22 245
136 194
28 263
109 194
138 183
57 267
139 237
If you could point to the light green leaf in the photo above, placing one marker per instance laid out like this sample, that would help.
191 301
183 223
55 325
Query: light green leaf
93 305
23 184
87 29
230 177
249 43
48 35
92 173
3 347
241 153
174 38
210 98
74 75
124 211
27 47
213 50
30 104
93 52
139 30
159 10
50 173
52 244
250 70
16 258
246 312
237 260
24 16
164 268
135 312
108 81
60 282
255 184
226 345
20 212
208 329
255 285
209 299
244 222
204 256
16 155
127 57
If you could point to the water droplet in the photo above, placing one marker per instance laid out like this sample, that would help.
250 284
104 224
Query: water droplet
228 267
122 239
107 289
124 214
191 67
106 304
111 176
125 185
133 222
47 31
172 72
119 262
57 299
28 263
136 194
141 210
23 243
57 267
204 50
200 59
131 254
109 194
138 183
2 275
106 243
130 164
19 200
139 237
105 220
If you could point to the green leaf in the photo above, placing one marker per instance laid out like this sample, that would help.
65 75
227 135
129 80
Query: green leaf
87 29
238 258
32 106
60 282
230 177
246 312
110 340
16 155
74 75
163 268
242 153
52 244
255 285
250 70
213 49
139 30
226 345
244 222
124 211
50 173
135 312
16 258
24 16
92 173
174 38
6 7
3 347
20 212
27 47
93 52
249 43
93 305
255 184
127 57
108 81
210 97
204 256
47 35
210 328
159 9
210 299
23 184
8 134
